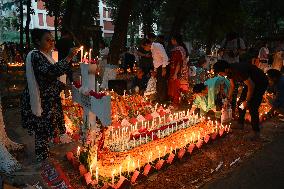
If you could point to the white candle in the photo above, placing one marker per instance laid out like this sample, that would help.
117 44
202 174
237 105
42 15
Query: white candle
90 55
97 174
82 52
138 164
152 136
140 140
120 168
78 151
112 174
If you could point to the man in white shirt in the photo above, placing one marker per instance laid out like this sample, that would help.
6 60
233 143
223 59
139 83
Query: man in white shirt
160 62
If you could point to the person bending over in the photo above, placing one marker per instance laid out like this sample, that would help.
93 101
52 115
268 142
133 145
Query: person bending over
254 83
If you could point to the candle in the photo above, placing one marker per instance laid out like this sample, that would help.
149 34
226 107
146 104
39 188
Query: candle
138 164
165 152
128 166
78 151
85 56
152 136
90 55
183 124
112 175
120 168
140 140
124 93
97 174
82 52
134 142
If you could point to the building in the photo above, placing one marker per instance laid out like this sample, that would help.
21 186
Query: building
40 18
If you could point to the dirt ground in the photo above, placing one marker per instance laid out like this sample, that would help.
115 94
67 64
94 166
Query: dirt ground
260 165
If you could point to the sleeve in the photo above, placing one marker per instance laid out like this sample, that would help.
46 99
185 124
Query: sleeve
43 67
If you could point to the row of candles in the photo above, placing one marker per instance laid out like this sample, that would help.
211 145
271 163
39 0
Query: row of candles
130 164
120 139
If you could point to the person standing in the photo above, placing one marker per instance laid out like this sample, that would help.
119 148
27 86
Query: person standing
254 83
41 107
160 62
232 47
63 45
179 72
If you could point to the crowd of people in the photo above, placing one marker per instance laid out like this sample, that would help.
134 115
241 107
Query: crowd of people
164 72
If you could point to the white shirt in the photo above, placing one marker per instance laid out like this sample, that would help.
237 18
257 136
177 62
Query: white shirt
160 57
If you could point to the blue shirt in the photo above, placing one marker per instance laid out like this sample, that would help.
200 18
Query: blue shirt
279 94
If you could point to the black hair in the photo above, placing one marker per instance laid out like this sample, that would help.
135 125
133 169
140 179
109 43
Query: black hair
37 35
201 61
274 74
220 66
180 42
146 42
198 88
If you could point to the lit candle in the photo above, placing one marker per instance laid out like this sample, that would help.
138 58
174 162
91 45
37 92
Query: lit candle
90 55
138 164
85 56
97 174
82 52
140 140
112 175
120 168
124 93
152 136
78 151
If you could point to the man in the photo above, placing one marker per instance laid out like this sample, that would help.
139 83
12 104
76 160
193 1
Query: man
231 48
160 62
276 82
63 45
255 84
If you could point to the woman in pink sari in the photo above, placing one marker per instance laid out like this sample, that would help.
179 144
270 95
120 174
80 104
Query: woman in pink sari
178 81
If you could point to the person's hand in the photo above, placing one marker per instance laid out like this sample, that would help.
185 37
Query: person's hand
175 76
164 72
73 52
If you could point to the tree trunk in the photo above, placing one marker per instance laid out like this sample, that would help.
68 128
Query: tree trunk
21 27
27 29
120 30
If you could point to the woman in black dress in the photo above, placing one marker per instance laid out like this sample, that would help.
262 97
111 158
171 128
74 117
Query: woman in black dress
41 106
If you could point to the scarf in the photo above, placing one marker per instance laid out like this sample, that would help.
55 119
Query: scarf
35 101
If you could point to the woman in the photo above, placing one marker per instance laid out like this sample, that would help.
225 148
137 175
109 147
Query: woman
255 84
41 107
178 70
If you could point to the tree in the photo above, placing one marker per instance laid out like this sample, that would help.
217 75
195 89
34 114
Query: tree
55 8
120 29
27 28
